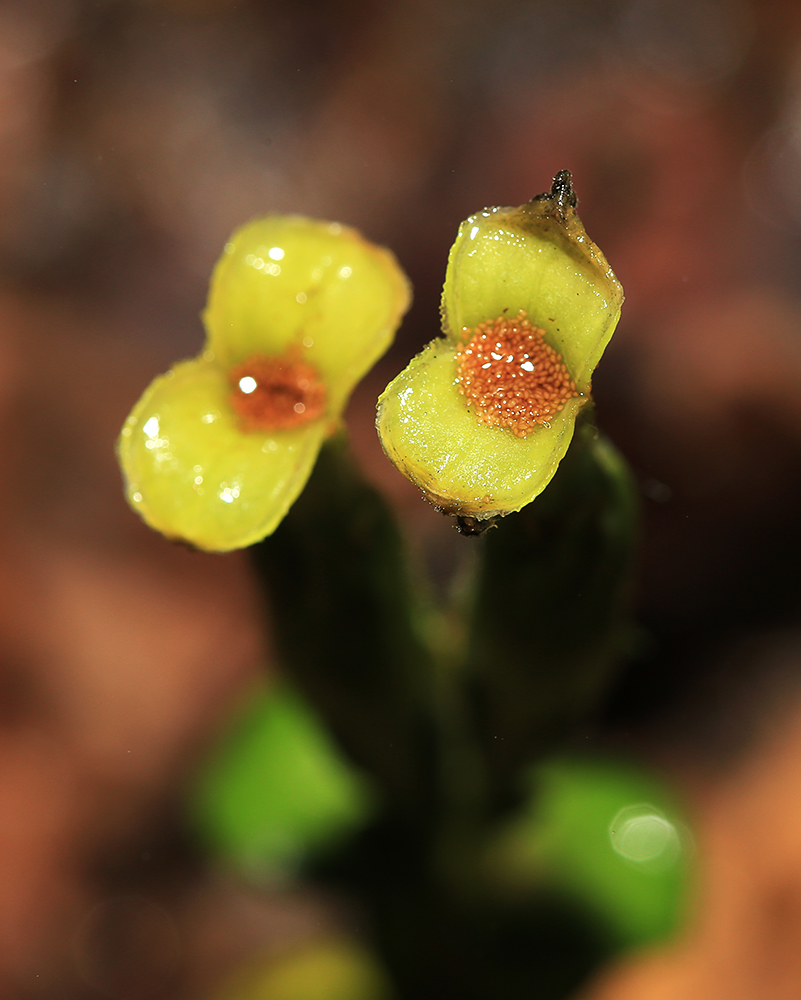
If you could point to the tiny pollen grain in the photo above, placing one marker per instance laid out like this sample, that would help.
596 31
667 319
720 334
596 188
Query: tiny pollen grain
287 393
512 377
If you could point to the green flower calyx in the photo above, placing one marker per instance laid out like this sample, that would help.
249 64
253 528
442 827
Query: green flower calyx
217 450
482 417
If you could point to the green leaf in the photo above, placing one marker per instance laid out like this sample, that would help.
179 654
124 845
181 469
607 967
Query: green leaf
608 836
277 789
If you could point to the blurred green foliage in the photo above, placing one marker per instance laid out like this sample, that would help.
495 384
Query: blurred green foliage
276 788
606 835
333 969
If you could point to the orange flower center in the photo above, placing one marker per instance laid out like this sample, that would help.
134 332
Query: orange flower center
276 394
512 377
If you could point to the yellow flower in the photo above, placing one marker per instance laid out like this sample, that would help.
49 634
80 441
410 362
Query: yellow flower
217 450
482 417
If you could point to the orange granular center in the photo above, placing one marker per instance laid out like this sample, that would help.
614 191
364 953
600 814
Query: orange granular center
276 394
512 377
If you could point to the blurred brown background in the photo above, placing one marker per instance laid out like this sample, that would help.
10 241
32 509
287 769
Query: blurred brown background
134 136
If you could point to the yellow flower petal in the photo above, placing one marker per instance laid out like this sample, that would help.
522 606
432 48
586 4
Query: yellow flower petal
218 449
320 287
195 476
482 440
